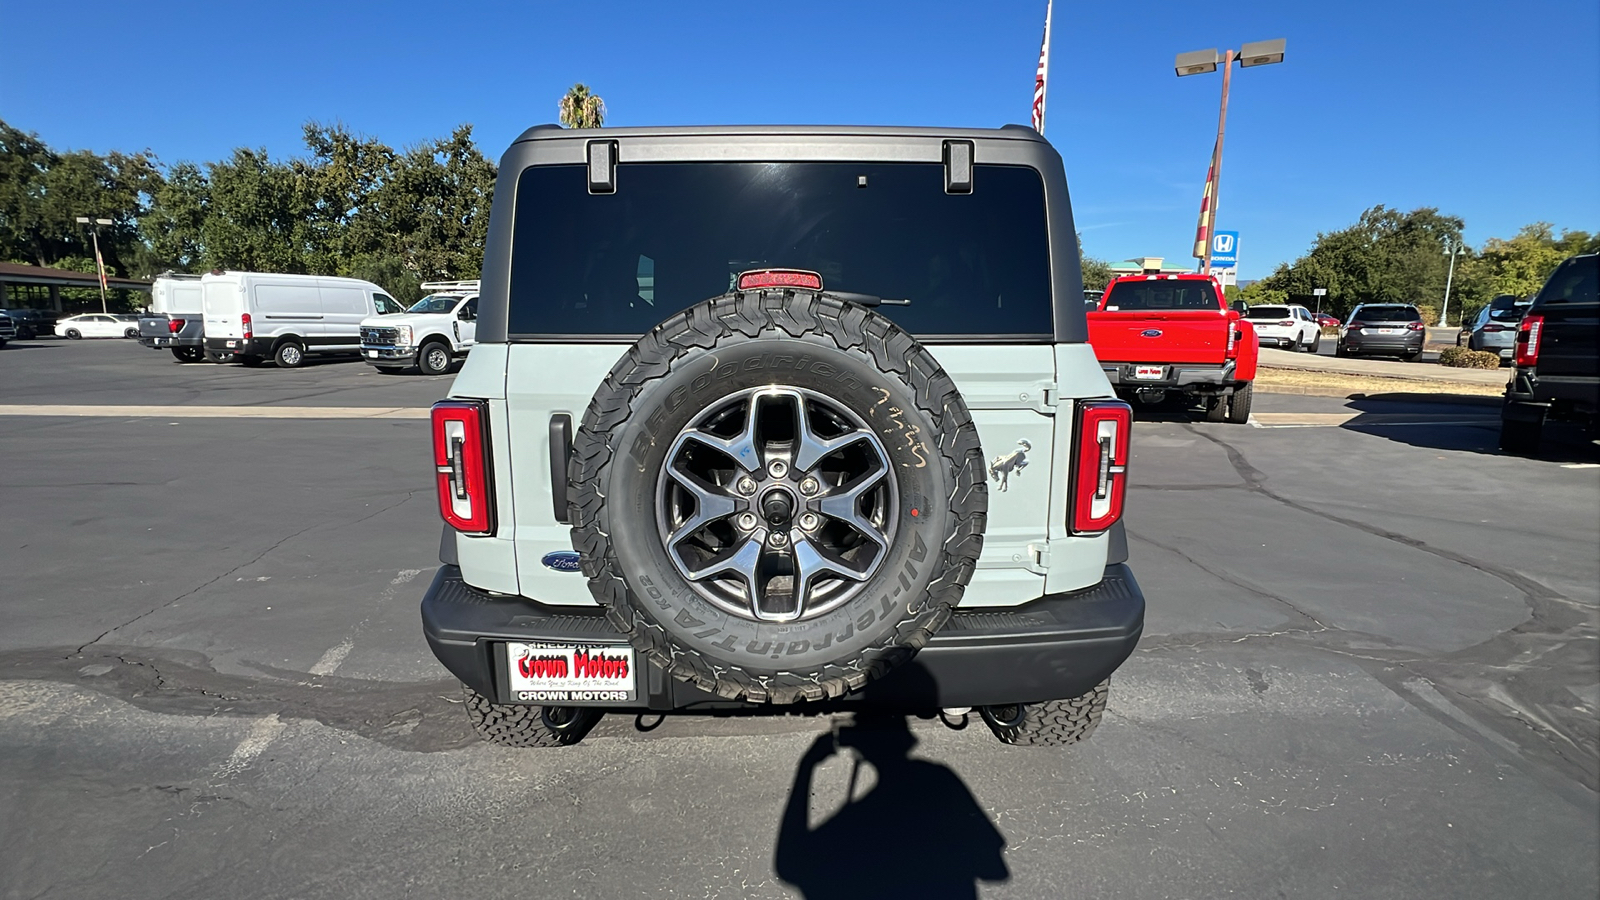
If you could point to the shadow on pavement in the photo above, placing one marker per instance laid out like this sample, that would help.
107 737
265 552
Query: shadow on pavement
917 832
1469 428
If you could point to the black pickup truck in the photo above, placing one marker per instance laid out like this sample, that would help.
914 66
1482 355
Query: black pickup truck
1557 357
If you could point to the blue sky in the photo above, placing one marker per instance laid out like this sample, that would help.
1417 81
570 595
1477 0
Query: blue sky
1489 111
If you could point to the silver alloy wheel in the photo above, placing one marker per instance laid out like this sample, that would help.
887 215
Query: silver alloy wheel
438 359
745 550
290 354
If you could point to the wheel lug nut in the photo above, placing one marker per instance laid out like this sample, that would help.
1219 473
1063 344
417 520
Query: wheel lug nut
777 539
747 485
808 486
747 521
809 521
777 468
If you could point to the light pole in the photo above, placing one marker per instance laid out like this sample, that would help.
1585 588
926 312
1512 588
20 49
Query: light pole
1452 246
1200 62
99 264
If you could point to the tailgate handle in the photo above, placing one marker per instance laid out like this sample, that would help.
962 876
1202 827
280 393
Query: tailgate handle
560 453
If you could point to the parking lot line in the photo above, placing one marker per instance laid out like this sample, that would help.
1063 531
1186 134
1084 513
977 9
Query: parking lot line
218 412
1338 419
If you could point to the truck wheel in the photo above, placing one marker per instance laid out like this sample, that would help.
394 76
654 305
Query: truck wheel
187 354
1521 436
778 496
1239 405
510 725
1216 408
433 358
289 355
1052 723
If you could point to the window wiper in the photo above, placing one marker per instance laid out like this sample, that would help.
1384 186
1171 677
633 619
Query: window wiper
864 299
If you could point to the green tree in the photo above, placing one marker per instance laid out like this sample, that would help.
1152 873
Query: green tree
581 109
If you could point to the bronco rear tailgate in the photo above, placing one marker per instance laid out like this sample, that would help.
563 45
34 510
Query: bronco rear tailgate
1167 336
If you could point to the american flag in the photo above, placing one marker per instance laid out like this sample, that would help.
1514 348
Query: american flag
1202 230
1042 74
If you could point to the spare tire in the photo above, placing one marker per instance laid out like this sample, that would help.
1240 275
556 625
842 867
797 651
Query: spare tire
777 495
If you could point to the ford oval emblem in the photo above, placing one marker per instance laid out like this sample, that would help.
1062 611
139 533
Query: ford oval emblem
1150 332
561 560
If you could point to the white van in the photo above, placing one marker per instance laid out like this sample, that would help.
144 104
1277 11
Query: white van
255 316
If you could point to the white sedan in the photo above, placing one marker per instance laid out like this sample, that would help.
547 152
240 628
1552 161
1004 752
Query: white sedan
96 325
1289 327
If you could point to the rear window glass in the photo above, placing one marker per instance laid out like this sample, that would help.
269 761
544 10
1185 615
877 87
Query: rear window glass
674 234
1574 281
1388 314
1134 295
1267 312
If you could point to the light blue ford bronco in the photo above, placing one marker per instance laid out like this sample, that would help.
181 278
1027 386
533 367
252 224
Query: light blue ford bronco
787 419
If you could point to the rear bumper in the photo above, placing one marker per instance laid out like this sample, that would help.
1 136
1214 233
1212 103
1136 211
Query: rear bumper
1409 343
1058 646
1529 397
1174 375
239 346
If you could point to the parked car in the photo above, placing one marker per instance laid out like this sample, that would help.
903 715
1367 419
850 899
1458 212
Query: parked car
1557 357
435 331
257 316
176 321
30 323
90 325
1157 335
8 329
1289 327
1326 321
717 467
1495 328
1393 329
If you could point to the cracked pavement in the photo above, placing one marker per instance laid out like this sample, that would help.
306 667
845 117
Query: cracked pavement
1370 669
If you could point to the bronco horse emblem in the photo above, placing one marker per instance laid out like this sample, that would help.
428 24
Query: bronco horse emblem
1001 468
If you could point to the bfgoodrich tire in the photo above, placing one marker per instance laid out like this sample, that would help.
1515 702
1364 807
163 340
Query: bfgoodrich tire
680 541
512 725
1053 723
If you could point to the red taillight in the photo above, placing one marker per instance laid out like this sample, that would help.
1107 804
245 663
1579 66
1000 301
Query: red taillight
1415 326
461 464
767 278
1491 329
175 325
1287 323
244 322
1353 326
1101 466
1528 340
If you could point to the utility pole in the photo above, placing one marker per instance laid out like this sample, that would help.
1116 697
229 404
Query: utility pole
99 264
1452 246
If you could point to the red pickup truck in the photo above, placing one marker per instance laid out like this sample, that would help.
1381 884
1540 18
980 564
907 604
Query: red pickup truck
1160 334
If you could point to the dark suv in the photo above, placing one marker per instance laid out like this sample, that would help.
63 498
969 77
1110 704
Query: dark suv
1393 329
786 420
1557 357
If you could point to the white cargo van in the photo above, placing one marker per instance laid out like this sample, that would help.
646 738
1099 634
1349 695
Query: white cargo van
257 316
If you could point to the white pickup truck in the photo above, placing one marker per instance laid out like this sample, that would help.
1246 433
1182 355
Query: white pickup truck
430 335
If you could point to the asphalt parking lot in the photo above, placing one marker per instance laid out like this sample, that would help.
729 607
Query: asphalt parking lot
1370 669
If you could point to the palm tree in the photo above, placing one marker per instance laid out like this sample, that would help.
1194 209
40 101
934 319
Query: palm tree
581 109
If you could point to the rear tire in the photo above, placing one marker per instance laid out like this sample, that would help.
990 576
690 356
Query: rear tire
1217 409
1052 723
187 354
1239 404
73 334
289 355
1521 436
433 358
511 725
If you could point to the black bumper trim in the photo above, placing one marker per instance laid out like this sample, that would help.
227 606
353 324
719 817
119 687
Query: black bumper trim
1058 646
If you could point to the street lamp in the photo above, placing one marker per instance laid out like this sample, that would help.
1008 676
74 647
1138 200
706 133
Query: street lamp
1452 246
1201 62
99 264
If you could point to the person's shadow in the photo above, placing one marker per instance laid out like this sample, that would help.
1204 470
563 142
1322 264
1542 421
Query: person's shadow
918 832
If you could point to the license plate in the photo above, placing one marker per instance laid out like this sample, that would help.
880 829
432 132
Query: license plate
571 673
1149 373
1391 331
233 343
372 353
